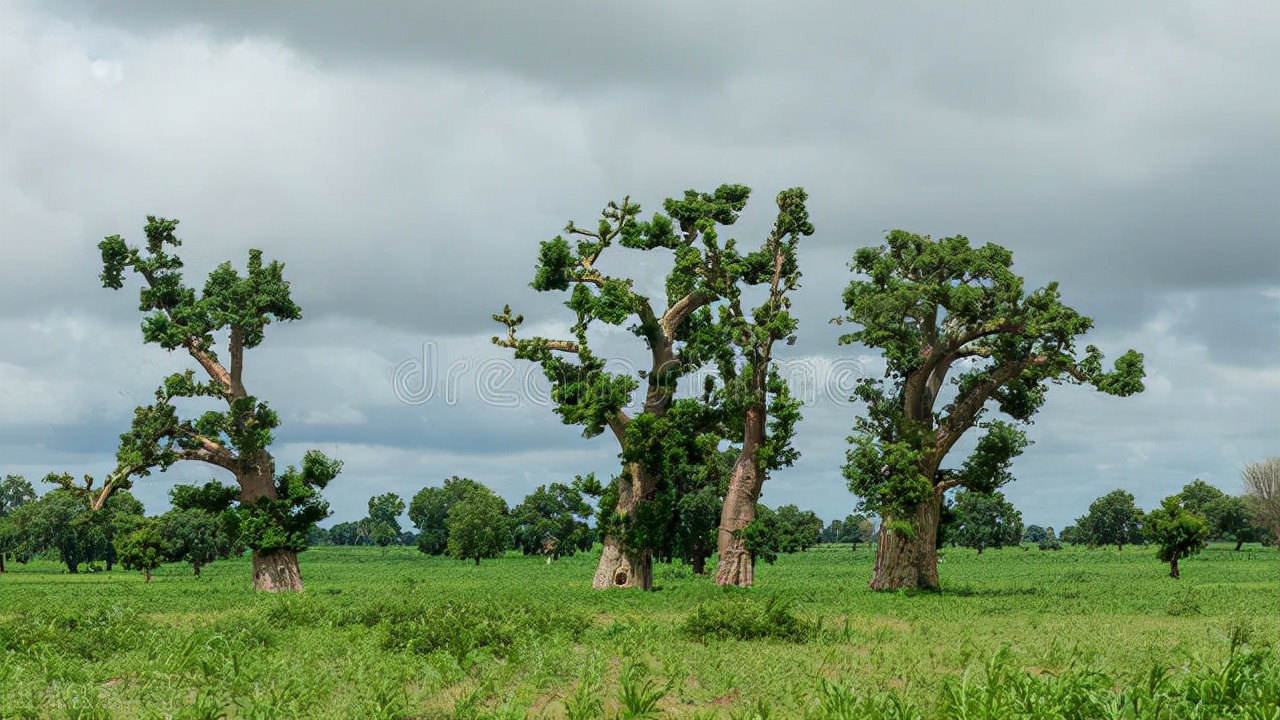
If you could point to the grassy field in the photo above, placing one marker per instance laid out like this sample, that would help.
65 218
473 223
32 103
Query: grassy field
1016 633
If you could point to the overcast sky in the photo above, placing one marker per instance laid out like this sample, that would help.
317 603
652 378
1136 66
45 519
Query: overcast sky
404 159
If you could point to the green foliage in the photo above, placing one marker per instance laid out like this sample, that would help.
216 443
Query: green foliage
686 336
194 536
929 305
384 518
1113 519
236 438
283 522
461 628
741 618
429 510
142 548
478 526
1177 532
552 520
984 520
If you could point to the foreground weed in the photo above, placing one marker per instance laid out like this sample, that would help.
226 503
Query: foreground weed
585 703
639 693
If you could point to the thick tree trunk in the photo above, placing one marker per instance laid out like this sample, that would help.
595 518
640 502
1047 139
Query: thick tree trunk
146 572
276 571
739 509
618 568
197 567
1173 567
1239 544
909 562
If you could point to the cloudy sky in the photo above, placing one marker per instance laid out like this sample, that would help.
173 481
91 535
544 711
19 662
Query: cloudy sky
405 158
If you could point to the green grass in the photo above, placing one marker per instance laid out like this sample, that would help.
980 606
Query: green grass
397 634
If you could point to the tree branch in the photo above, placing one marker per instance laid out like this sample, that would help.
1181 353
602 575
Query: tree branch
236 385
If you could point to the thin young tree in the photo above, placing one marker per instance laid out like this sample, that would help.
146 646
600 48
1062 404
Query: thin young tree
277 510
935 307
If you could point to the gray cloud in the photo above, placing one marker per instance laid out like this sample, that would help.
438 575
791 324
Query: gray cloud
404 160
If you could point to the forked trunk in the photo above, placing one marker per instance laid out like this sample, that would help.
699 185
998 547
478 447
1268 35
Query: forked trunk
736 566
1173 567
619 568
276 571
909 560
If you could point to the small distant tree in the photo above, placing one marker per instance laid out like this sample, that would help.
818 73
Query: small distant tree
193 536
799 529
345 533
478 526
552 521
986 520
1230 519
15 491
1034 534
1262 493
429 511
1050 541
1071 535
1197 495
384 518
213 500
1176 531
1113 519
142 548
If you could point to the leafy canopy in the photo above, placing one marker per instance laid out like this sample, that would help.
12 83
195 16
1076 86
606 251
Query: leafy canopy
937 306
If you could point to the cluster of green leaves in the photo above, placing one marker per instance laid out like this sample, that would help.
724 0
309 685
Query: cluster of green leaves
1113 519
930 306
284 522
785 530
552 520
63 520
1176 531
429 511
982 520
743 618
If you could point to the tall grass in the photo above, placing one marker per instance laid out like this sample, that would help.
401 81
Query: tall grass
1070 634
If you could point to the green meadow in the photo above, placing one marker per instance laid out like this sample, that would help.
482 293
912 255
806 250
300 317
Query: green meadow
392 633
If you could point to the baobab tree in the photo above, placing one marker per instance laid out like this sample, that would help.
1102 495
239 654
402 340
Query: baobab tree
276 510
757 401
679 338
934 306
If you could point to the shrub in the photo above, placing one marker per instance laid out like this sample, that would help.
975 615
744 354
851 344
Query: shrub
745 619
